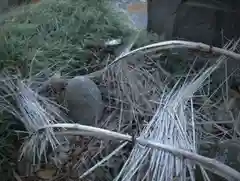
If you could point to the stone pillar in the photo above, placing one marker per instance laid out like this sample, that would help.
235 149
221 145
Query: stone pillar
161 16
3 5
195 24
6 4
195 20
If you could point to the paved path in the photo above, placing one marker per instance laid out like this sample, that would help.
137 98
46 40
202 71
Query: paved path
136 10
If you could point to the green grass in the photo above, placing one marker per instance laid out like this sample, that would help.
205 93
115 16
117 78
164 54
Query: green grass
56 32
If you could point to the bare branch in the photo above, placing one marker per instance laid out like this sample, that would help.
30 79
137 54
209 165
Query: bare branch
166 45
209 164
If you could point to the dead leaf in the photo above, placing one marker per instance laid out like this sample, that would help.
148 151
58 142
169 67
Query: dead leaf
47 174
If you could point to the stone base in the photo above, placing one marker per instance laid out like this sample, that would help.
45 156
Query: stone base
198 21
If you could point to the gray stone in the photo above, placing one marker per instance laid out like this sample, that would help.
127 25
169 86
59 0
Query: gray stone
83 100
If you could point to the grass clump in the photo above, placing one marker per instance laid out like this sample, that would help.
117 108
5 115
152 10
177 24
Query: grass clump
56 32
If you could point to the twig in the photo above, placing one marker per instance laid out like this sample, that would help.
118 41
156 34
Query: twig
210 164
16 176
90 130
183 44
166 45
102 161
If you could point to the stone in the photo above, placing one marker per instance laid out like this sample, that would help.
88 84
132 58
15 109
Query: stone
83 100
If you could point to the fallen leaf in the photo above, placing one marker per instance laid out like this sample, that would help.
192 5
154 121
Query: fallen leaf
46 174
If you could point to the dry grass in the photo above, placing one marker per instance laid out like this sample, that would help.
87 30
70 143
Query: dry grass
141 101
